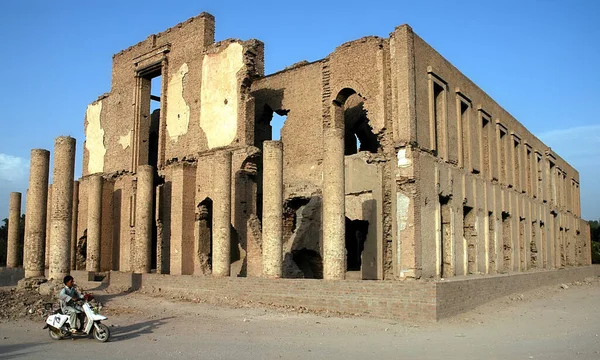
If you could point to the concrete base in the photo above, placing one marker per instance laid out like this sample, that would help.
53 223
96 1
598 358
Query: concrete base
409 300
11 276
83 275
125 280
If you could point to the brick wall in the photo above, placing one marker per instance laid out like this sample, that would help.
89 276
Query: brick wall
413 301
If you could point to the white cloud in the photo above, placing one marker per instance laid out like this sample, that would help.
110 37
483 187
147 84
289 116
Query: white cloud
14 175
577 145
580 147
13 169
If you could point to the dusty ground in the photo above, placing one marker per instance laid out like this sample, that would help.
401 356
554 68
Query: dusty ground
560 322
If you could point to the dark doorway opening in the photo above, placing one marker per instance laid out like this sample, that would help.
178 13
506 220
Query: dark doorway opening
356 235
157 180
153 144
446 242
203 256
147 135
506 242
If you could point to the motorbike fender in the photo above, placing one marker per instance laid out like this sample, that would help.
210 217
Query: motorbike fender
56 320
98 317
91 315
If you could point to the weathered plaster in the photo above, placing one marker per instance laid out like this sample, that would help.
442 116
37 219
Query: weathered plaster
402 206
125 140
94 135
403 161
178 111
219 105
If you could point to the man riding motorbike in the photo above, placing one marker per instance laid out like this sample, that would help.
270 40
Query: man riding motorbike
67 297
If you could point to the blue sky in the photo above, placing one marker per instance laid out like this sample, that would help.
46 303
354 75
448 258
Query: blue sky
537 59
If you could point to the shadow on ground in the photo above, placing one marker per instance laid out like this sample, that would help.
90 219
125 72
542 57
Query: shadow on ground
16 351
132 331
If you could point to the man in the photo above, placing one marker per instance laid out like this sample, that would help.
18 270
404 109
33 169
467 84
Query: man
67 296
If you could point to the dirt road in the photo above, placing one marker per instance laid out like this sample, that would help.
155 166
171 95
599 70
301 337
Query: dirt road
547 323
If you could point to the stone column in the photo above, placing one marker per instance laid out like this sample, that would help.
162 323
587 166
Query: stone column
144 216
25 235
272 235
221 252
62 206
75 218
48 227
14 220
334 224
35 213
94 224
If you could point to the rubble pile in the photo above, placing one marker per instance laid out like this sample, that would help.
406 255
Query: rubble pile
24 303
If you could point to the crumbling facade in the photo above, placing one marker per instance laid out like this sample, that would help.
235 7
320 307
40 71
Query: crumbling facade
391 164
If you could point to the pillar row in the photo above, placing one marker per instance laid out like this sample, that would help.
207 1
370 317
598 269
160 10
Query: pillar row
334 244
272 218
144 216
62 207
35 213
14 220
94 225
221 260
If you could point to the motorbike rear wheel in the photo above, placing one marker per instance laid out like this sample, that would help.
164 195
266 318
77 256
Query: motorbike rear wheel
103 334
54 334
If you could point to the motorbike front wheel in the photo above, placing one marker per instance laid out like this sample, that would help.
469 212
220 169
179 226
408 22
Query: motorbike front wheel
54 334
103 334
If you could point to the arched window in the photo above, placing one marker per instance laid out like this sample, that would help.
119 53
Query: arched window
359 135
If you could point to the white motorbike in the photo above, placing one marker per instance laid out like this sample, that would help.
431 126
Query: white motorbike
59 326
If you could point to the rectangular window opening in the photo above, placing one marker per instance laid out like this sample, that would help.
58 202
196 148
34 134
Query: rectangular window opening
517 164
552 181
466 134
502 154
485 142
564 189
529 171
439 104
539 178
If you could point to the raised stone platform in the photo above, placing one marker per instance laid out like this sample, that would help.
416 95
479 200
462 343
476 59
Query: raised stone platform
410 301
405 300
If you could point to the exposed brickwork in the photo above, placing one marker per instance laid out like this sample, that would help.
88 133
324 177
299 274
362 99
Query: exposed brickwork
411 300
383 131
405 300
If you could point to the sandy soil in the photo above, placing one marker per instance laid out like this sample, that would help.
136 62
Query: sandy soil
560 322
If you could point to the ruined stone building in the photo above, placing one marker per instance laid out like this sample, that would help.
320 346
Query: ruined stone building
392 164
